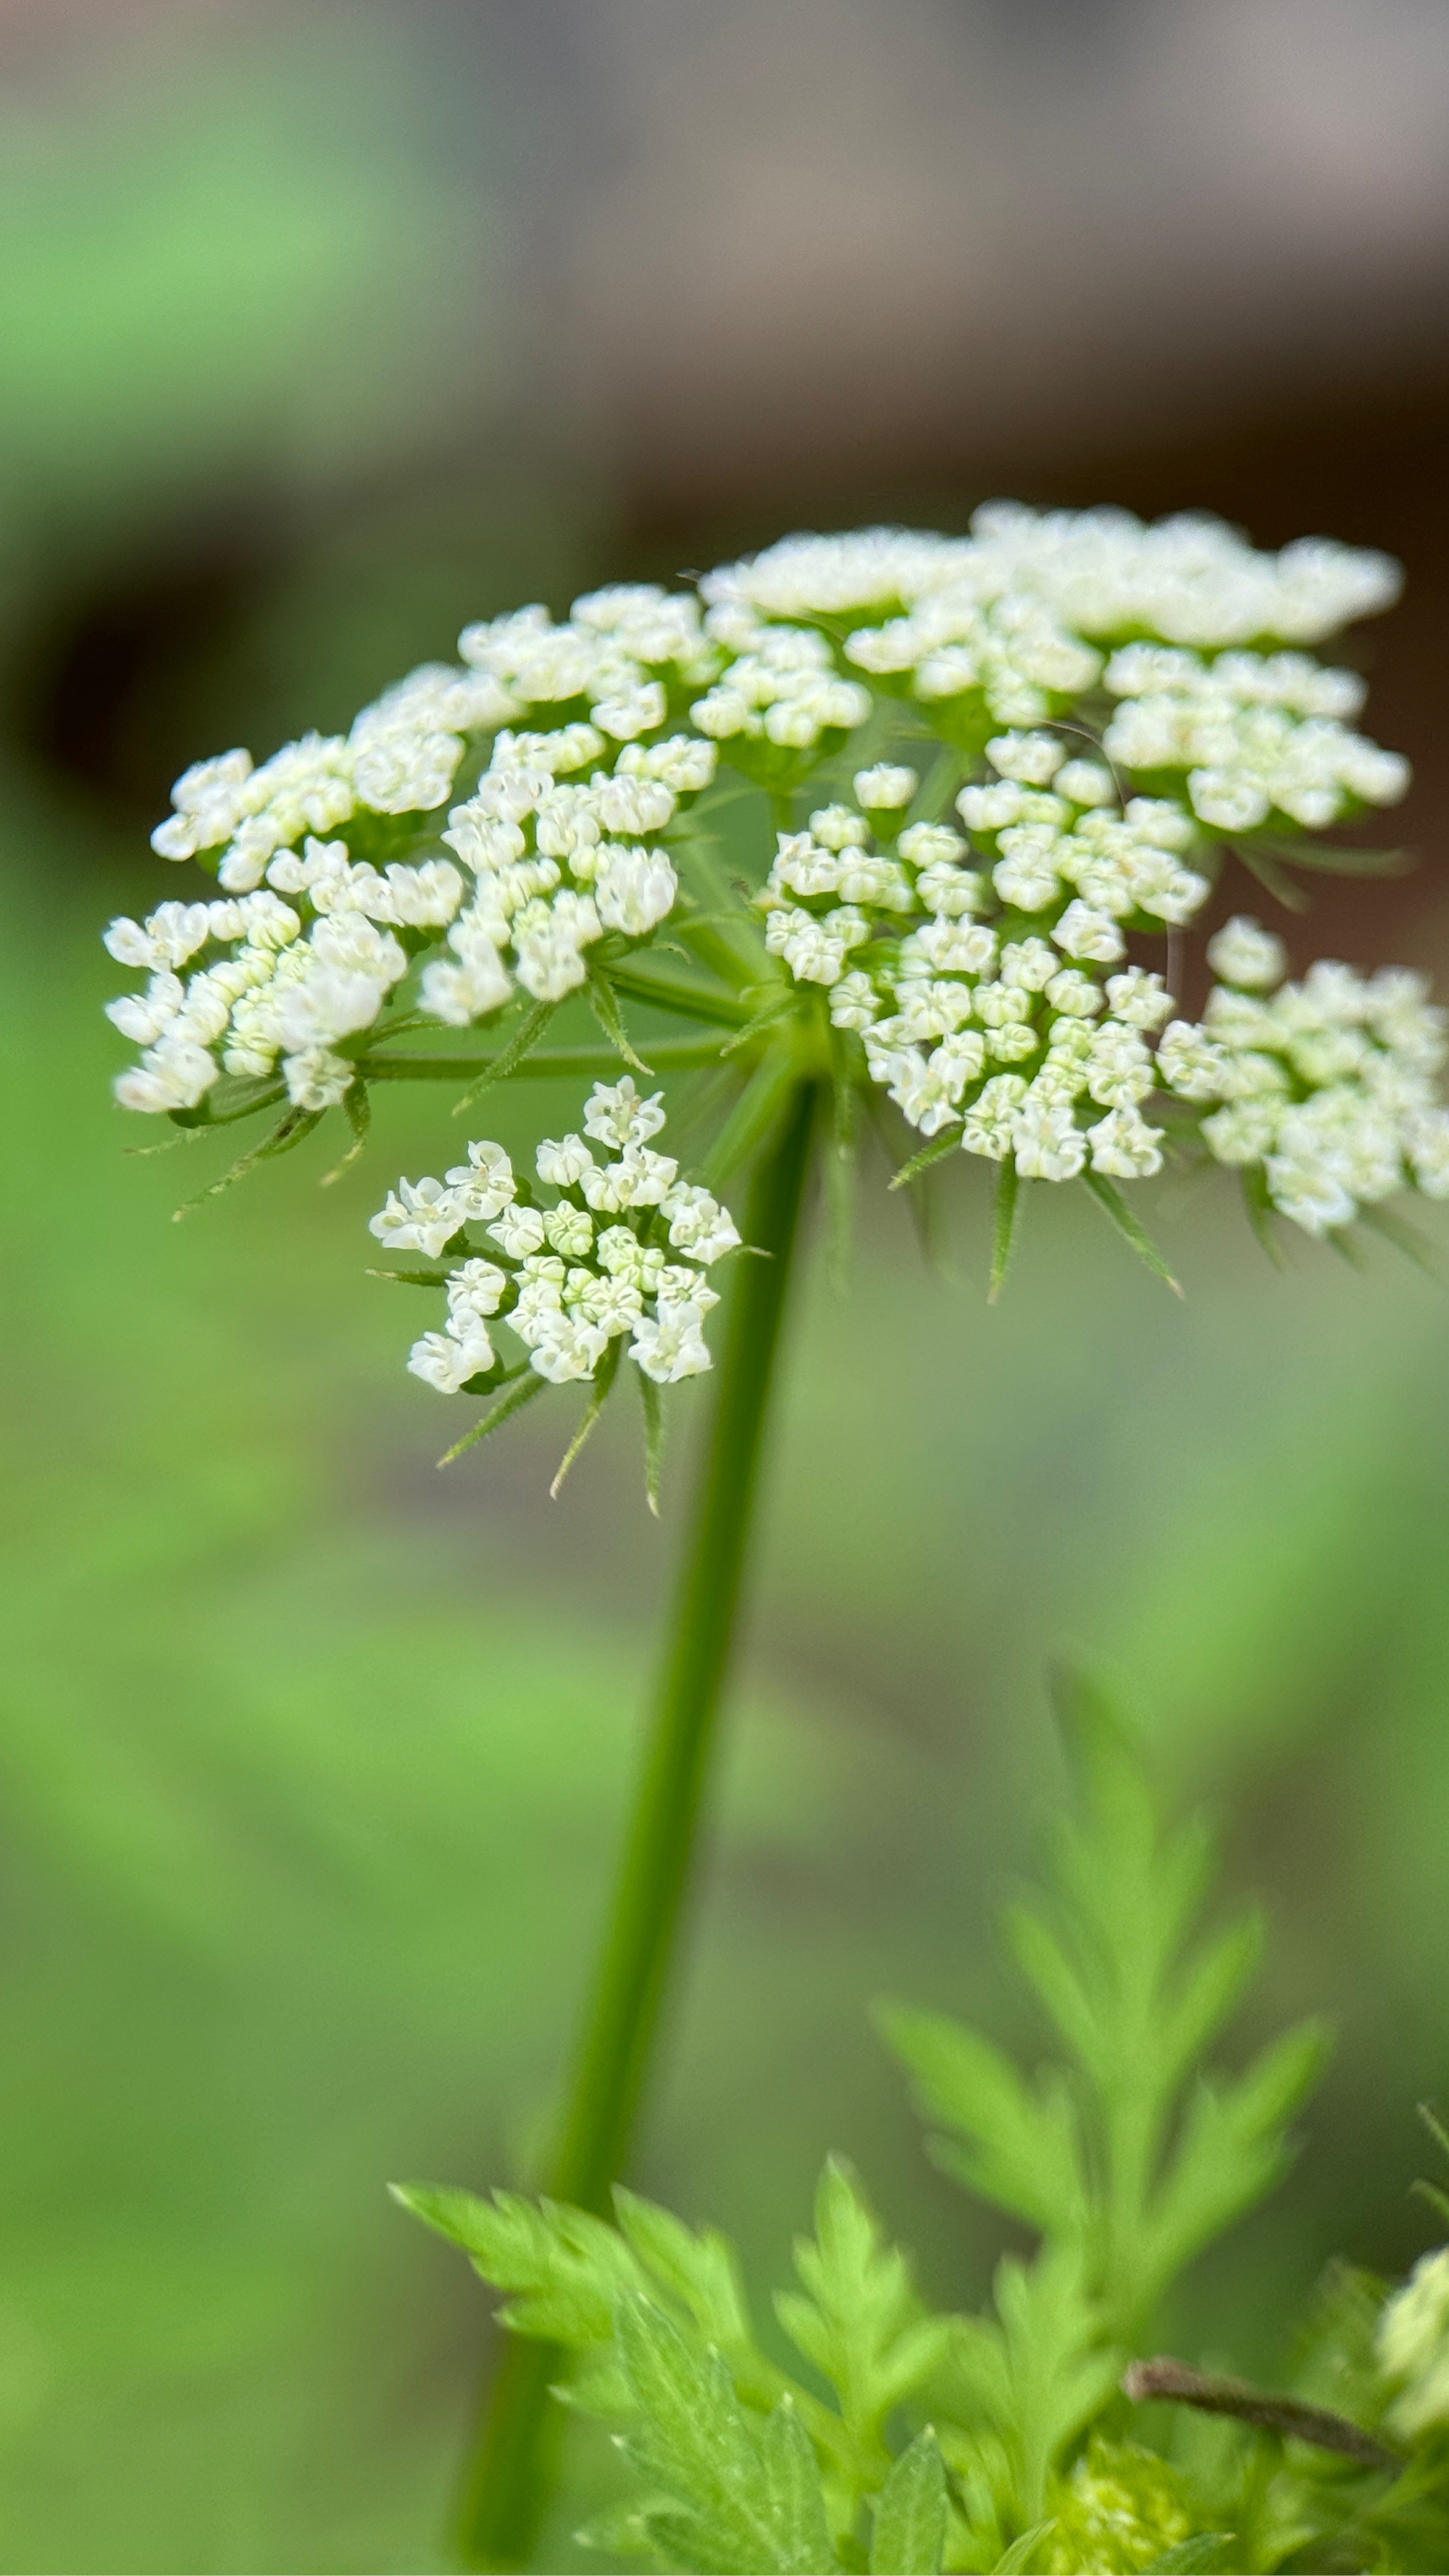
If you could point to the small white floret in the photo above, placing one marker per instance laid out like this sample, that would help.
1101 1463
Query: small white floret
562 1161
1125 1146
518 1232
616 1115
446 1361
671 1346
420 1216
1033 759
698 1224
1083 932
1048 1144
886 787
1243 953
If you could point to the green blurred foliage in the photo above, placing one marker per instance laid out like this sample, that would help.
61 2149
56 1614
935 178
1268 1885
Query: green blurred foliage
311 1760
236 243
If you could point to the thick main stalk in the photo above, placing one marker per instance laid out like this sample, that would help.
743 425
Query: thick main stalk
507 2480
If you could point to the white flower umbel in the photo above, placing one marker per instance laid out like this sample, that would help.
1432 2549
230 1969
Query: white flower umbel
1257 734
1328 1085
949 958
554 848
621 1250
942 997
1052 729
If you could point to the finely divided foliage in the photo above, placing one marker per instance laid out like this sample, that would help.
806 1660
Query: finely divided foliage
911 2440
1004 771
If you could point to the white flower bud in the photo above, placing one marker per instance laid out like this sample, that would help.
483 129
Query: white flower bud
886 787
1242 953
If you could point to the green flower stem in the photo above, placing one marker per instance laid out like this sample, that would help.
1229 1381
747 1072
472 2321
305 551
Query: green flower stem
504 2495
687 994
664 1055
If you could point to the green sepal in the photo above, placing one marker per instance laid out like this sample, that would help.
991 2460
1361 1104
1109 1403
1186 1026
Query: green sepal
778 767
289 1132
1113 1205
357 1107
704 806
964 722
1330 858
524 1385
604 1376
934 1151
166 1144
1405 1238
779 1004
1260 1212
235 1096
840 1166
1004 1218
603 1003
1347 1246
909 2533
1261 863
653 1438
509 1057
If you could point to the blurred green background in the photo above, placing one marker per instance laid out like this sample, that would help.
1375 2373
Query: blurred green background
322 329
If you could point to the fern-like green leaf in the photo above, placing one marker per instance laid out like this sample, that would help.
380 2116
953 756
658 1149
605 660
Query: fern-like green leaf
1233 2150
1102 2153
859 2319
908 2536
735 2512
564 2267
1020 2147
699 2274
1037 2373
794 2500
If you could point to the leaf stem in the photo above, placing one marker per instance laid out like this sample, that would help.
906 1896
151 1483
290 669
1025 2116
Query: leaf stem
1165 2378
503 2500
